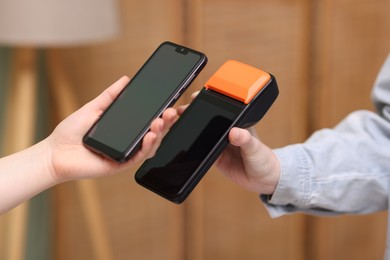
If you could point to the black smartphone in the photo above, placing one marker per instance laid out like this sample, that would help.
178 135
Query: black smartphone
118 133
199 136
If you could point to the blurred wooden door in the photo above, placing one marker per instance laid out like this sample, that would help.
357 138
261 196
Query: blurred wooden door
352 41
324 54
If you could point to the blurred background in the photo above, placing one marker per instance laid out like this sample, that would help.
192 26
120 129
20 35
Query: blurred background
324 54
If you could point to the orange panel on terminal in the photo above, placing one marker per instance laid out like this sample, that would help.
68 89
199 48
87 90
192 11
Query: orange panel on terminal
238 80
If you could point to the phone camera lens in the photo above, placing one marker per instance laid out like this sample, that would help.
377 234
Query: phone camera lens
182 50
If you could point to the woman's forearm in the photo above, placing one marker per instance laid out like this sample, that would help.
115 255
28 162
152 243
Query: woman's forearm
25 174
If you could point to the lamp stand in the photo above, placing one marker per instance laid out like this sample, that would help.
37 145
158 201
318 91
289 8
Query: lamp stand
20 133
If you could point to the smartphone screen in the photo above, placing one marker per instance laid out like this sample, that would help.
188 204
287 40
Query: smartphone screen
157 85
190 141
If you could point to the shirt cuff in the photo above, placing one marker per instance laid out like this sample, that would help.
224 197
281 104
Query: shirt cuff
293 189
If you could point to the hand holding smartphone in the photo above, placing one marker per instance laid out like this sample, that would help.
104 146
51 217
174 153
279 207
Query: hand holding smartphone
156 86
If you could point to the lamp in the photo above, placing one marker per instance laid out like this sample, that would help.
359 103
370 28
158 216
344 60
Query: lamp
27 26
57 23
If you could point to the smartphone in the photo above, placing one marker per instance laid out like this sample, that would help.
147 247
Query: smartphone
201 133
118 133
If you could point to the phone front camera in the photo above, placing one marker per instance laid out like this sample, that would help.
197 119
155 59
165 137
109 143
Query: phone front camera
182 50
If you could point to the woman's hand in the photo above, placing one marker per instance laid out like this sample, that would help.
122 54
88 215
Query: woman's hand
71 160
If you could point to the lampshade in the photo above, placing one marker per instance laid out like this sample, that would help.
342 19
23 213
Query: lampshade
57 22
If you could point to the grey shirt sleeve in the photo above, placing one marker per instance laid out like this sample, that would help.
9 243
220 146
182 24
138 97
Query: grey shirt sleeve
341 170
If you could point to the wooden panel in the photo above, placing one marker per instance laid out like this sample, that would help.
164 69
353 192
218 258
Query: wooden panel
224 221
352 41
141 225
